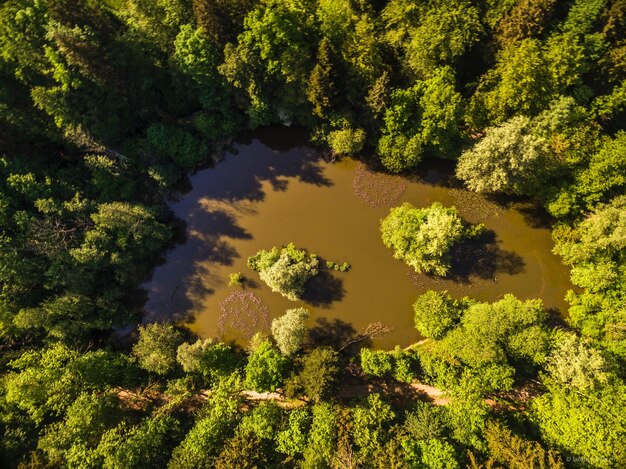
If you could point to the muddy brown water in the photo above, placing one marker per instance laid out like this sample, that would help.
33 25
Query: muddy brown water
273 190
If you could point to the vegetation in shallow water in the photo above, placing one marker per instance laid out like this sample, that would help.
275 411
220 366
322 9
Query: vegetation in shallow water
285 270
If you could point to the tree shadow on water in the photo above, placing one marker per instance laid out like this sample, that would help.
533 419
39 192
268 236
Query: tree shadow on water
241 174
323 290
333 333
482 258
187 273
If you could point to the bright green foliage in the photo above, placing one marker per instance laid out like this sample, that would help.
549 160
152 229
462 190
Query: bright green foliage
204 442
346 141
508 159
404 364
85 421
596 250
507 331
155 349
376 362
436 313
574 364
467 417
318 378
122 234
527 76
437 454
266 368
423 237
105 105
382 364
235 279
371 421
423 117
209 359
590 427
290 331
445 32
601 179
293 439
286 270
262 421
517 453
518 84
322 438
46 382
149 443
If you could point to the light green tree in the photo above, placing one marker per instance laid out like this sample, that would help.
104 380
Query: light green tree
286 270
436 313
290 331
155 349
423 237
508 159
266 368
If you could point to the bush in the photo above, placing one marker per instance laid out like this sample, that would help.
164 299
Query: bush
346 141
423 237
236 278
156 348
289 330
266 368
436 313
286 270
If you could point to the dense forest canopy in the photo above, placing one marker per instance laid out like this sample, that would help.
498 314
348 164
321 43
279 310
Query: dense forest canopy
106 104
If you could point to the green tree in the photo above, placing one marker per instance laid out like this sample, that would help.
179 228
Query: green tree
244 450
423 237
445 32
293 439
424 117
322 438
290 331
204 442
574 364
155 349
210 359
84 423
517 453
586 426
263 420
321 90
498 333
346 141
508 159
520 83
371 421
47 381
376 362
266 368
149 443
286 270
122 234
436 313
318 378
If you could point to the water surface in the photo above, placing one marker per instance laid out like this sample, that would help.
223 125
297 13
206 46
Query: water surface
269 192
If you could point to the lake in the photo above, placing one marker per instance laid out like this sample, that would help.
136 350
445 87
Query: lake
273 189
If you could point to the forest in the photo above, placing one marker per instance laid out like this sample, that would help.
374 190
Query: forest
107 105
